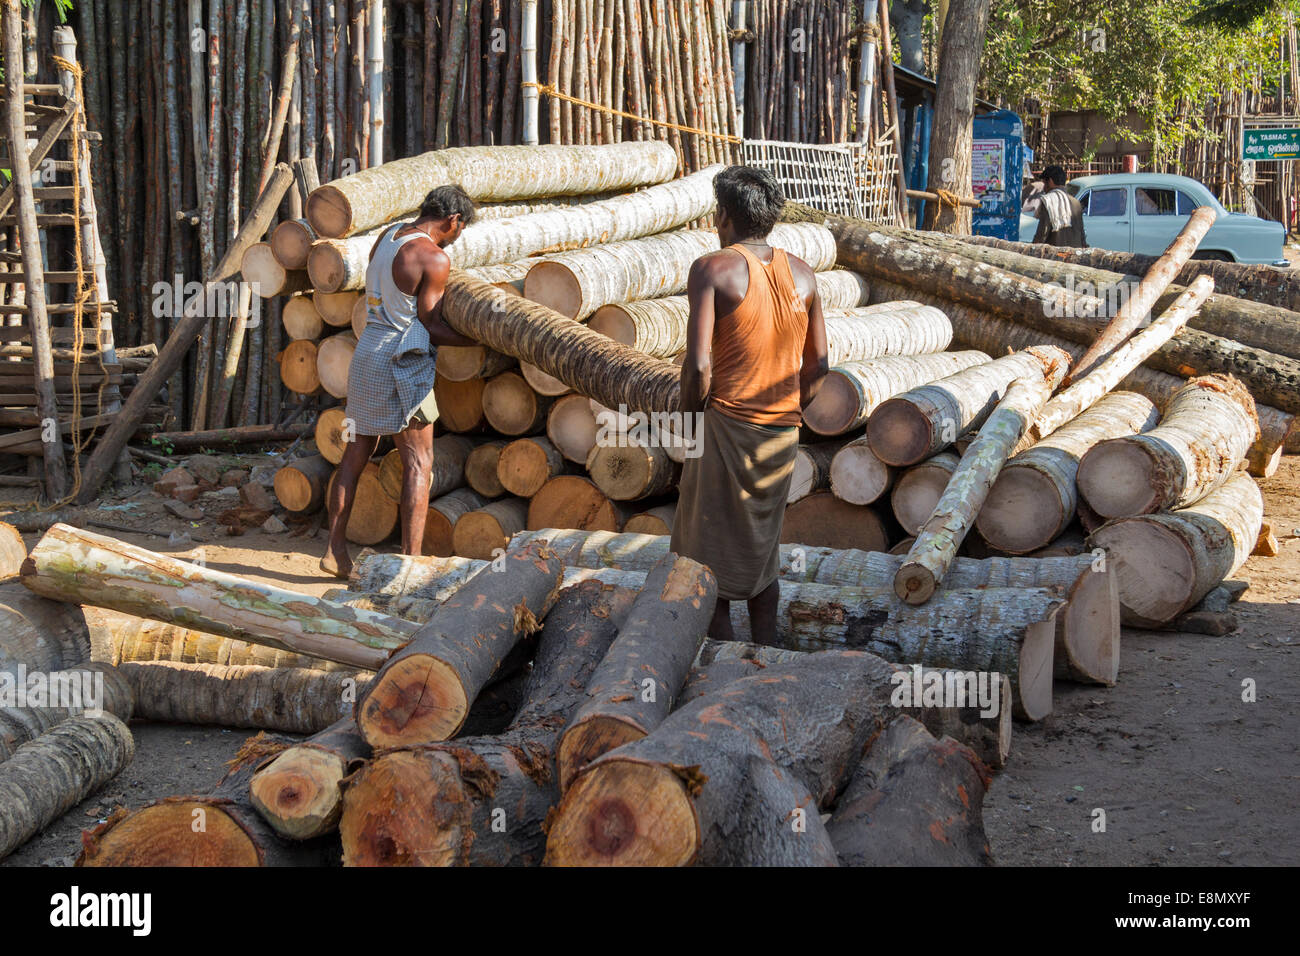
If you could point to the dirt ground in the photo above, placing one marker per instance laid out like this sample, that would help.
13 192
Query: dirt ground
1185 771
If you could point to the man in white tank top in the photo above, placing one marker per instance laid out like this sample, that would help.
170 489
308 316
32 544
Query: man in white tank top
392 370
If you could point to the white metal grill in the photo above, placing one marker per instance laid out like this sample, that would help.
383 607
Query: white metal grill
849 179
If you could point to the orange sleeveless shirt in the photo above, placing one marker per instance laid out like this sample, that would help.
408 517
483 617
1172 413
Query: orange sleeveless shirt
757 349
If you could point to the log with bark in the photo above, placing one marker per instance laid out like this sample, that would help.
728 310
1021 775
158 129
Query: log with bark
735 777
852 391
577 283
631 470
490 795
1204 434
1165 563
498 173
12 551
484 532
40 634
990 333
291 241
633 689
913 801
824 521
446 473
299 791
656 521
915 424
1140 302
444 513
300 485
1035 497
460 404
220 828
812 469
423 693
572 501
79 567
92 688
481 468
954 515
50 775
512 407
295 700
526 464
267 276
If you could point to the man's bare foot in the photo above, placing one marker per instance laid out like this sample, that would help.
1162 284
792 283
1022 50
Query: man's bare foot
337 563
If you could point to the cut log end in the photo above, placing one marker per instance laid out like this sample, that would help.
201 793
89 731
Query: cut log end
1161 585
1034 675
1088 630
541 382
1023 511
586 741
421 698
915 584
329 212
899 433
1121 478
624 813
298 793
857 475
614 321
386 814
836 406
165 835
553 284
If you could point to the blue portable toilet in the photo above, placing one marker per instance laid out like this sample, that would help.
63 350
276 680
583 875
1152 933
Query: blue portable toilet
998 157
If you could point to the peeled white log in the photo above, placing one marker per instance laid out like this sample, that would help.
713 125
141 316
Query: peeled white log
571 426
291 241
577 283
1034 498
658 326
510 274
852 391
857 475
333 361
1087 628
939 538
1203 436
913 426
632 215
339 265
1165 563
336 308
301 319
489 174
890 328
918 489
1086 391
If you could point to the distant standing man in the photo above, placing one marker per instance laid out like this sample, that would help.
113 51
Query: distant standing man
755 356
1060 215
390 381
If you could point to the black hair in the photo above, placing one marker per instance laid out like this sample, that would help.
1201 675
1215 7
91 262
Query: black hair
751 197
1056 174
445 201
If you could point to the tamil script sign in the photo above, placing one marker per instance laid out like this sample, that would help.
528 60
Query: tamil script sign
1276 142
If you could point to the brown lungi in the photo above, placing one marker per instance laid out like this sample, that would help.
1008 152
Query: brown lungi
732 502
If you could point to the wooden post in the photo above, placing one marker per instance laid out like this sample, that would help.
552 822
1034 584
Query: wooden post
738 10
529 70
375 78
178 343
866 70
887 71
56 473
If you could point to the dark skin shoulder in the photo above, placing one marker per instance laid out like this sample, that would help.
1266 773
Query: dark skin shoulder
421 269
717 285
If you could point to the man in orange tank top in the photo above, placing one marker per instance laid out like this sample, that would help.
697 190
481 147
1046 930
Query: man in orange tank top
755 357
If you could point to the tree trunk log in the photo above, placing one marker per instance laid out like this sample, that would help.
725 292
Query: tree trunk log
291 241
577 283
444 513
1035 497
459 363
889 328
339 265
1203 436
823 521
485 532
481 468
857 476
490 795
954 515
914 425
298 367
1165 563
734 778
526 464
336 307
852 391
301 319
50 775
300 485
295 700
571 426
333 362
512 407
12 551
571 501
460 404
220 828
631 471
267 276
446 474
812 469
913 801
299 792
633 690
1137 306
374 514
496 173
79 567
40 634
424 693
92 688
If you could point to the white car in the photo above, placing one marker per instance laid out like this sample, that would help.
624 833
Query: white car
1143 212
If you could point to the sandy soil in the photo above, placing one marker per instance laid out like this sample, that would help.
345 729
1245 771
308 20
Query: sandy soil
1184 770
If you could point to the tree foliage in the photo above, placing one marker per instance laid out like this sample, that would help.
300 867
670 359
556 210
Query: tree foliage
1150 57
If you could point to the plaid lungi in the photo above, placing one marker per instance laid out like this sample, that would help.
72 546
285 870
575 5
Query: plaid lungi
391 374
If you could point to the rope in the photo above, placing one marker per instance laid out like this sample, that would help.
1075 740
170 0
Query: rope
549 90
949 199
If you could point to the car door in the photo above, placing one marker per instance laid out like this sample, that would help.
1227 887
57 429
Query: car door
1157 218
1106 220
